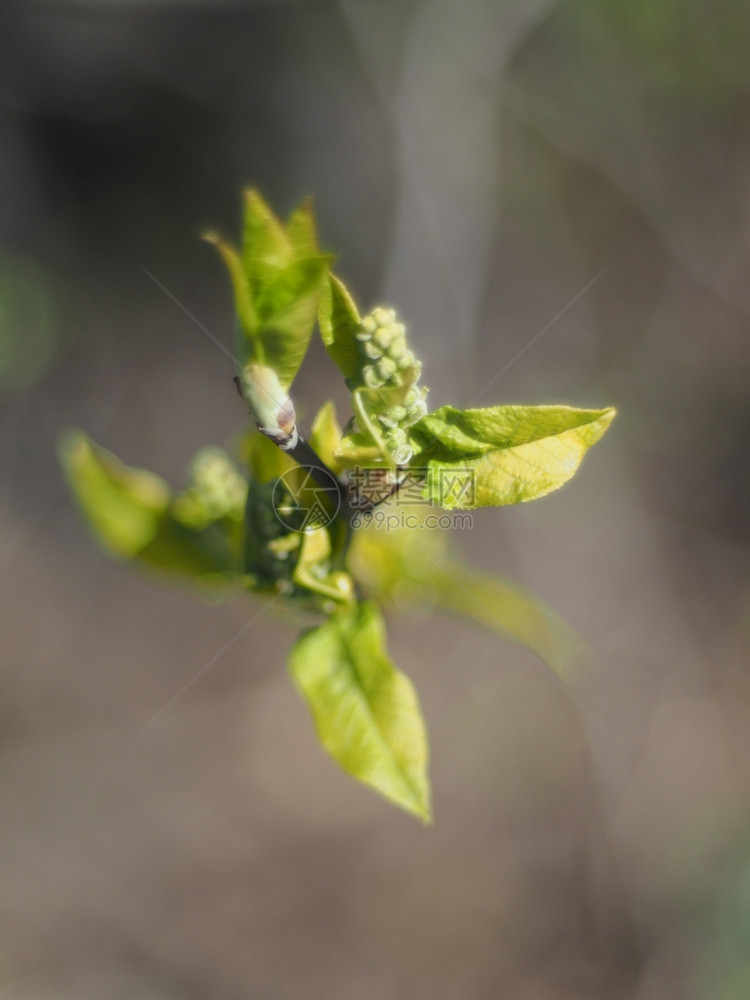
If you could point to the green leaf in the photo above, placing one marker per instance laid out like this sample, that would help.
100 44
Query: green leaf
286 308
132 514
412 566
276 279
270 549
267 462
505 454
366 712
325 435
510 611
248 345
274 552
339 321
301 232
123 505
265 244
313 571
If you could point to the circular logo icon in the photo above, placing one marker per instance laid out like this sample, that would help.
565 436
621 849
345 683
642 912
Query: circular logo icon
305 498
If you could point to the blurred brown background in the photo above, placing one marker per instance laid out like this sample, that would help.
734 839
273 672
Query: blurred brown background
475 164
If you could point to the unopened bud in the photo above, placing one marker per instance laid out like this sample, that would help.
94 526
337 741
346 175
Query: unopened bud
383 336
402 454
372 350
386 368
397 349
416 413
269 404
371 377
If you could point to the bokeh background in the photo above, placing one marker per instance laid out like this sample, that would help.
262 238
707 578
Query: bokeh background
494 168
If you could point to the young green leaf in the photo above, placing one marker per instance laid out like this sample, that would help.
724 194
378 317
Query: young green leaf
123 505
325 435
365 711
286 308
313 571
247 344
412 566
267 462
301 233
270 548
511 612
265 244
339 322
276 279
132 513
505 454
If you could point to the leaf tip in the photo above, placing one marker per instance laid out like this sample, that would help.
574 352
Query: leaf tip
257 207
72 446
425 814
604 419
342 293
254 199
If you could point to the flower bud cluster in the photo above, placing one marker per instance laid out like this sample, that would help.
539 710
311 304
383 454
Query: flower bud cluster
216 490
389 364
